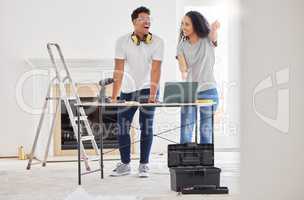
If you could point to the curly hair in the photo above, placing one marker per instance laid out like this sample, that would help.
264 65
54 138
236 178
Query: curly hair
200 24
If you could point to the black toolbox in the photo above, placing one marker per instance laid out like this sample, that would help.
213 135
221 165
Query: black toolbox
191 154
192 168
191 176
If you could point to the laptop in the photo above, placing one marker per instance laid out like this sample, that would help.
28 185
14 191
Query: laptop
180 92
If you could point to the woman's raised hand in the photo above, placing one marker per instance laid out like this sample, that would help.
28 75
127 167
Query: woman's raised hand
215 25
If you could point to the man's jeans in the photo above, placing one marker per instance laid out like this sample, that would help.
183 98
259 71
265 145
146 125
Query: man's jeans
125 117
188 119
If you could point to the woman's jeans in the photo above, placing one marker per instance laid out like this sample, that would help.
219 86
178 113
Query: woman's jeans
125 118
188 119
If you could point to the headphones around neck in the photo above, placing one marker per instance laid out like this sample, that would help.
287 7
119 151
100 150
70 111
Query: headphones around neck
147 38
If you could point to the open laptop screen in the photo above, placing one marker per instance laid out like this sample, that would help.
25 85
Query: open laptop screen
180 92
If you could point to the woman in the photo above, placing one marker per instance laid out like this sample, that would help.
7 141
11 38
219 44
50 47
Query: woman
195 53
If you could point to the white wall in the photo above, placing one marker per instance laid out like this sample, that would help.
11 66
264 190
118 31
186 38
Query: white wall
272 160
85 29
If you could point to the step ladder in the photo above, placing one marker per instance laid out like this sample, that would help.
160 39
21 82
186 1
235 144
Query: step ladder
84 123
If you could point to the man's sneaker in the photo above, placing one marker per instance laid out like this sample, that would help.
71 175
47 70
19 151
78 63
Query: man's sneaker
121 170
143 170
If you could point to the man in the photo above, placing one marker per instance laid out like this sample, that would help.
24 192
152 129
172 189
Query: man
138 58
